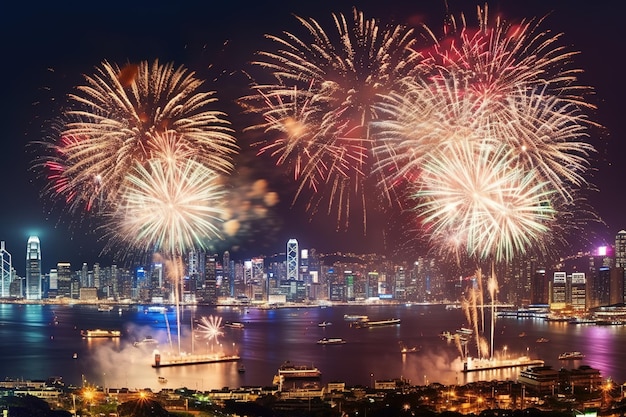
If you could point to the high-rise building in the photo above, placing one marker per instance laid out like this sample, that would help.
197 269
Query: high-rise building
292 260
5 271
539 287
64 279
33 269
579 291
559 290
620 249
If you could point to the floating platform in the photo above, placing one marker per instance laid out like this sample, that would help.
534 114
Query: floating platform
191 360
477 365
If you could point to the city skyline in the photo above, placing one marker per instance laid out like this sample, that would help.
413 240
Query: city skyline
219 49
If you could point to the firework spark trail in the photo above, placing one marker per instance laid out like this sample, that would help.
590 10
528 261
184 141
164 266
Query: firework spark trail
342 77
114 118
489 205
210 327
168 206
499 57
316 157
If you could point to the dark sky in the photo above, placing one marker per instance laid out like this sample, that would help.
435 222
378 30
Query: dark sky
47 46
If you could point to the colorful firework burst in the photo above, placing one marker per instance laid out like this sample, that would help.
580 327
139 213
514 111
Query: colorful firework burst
168 205
324 99
480 201
114 120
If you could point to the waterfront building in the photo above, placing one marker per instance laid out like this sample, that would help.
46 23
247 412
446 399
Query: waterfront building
292 259
227 286
559 284
601 287
210 280
539 287
540 380
33 269
579 291
5 271
64 279
620 249
400 283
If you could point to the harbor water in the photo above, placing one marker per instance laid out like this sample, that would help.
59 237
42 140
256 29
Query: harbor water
41 341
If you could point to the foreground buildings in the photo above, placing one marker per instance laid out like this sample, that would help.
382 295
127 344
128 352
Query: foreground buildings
543 389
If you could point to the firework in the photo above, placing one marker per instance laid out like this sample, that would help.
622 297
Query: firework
325 95
210 327
494 138
482 201
114 120
169 205
497 58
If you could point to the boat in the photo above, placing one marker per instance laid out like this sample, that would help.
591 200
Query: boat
162 379
100 333
582 320
289 370
542 340
522 334
325 324
105 307
571 356
156 309
476 365
331 341
191 359
354 317
378 323
241 369
235 325
146 341
75 355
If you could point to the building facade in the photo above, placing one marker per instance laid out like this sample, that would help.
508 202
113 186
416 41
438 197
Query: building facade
33 269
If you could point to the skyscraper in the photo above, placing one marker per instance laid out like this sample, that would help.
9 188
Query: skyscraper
64 280
293 262
620 249
33 269
5 271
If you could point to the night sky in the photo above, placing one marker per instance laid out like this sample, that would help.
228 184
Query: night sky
47 46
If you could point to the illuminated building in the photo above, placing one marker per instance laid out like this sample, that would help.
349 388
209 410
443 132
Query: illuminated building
539 287
579 291
620 249
559 284
33 269
292 259
5 271
64 279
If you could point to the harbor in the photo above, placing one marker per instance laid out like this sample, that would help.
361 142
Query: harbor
272 336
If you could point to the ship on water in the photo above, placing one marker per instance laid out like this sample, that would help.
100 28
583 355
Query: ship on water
100 333
378 323
289 370
474 365
331 341
146 341
191 359
575 355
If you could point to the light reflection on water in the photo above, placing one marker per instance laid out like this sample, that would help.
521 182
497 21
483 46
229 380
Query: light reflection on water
38 341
